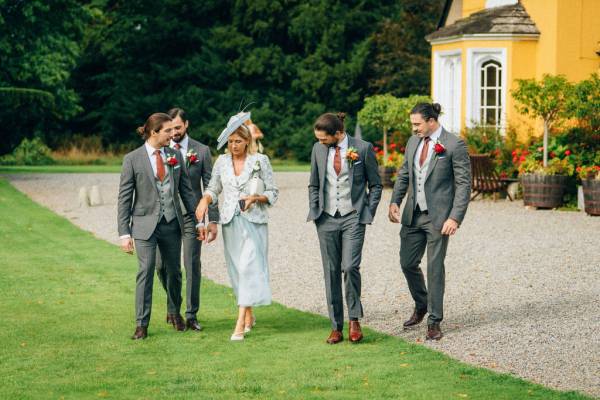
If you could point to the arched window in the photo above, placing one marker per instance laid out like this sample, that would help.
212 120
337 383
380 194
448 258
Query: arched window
490 111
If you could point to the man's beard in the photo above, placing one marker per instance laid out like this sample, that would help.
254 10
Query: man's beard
180 137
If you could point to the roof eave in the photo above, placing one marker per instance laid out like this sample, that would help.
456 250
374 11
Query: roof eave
484 36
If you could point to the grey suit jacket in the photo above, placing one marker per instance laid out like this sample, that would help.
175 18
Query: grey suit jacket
200 173
364 173
447 183
138 204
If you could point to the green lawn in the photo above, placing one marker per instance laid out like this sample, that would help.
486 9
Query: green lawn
278 166
67 314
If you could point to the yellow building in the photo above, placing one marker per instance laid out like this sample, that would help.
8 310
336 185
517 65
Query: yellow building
482 46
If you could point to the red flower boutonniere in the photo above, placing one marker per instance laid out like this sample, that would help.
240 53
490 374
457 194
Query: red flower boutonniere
172 160
439 148
192 157
351 155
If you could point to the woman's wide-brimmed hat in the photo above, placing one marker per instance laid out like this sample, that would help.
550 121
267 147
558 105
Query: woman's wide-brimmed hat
234 122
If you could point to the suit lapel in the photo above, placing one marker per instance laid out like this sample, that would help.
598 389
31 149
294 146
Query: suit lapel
434 156
351 143
148 167
410 153
322 164
171 152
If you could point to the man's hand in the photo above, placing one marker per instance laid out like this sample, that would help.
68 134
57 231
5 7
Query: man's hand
394 213
201 233
127 245
212 232
450 227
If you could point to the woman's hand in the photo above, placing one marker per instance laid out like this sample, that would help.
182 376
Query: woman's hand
202 209
249 200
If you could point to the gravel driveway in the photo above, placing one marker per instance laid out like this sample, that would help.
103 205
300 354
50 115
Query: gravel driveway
522 286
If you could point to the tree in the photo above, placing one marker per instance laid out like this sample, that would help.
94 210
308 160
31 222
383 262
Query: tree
547 99
586 102
39 47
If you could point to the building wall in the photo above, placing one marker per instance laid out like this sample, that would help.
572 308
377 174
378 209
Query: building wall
569 39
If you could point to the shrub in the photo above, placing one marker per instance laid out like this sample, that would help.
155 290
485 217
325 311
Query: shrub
29 152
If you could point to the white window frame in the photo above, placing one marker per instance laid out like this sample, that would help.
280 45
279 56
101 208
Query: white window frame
475 59
442 93
499 3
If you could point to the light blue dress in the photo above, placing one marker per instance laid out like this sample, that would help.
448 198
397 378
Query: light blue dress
245 234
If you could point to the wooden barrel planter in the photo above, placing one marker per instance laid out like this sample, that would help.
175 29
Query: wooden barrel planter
543 191
591 196
386 174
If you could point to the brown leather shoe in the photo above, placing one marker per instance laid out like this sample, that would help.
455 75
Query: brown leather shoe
415 318
355 332
434 332
178 322
169 318
141 332
335 337
193 324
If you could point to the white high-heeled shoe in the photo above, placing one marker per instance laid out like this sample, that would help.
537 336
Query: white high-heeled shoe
237 336
248 328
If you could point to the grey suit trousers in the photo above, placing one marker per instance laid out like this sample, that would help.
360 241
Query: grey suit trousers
414 240
191 262
341 240
167 237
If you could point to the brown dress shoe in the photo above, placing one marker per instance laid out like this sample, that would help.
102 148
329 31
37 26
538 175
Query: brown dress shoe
169 318
434 332
415 318
141 332
177 322
355 332
335 337
193 324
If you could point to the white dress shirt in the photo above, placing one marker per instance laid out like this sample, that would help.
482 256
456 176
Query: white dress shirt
184 143
434 138
343 145
151 151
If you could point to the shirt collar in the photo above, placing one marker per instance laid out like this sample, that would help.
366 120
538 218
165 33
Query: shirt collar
436 134
150 150
183 143
343 145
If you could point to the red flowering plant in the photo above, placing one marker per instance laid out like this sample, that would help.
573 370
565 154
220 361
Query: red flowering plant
395 156
588 172
502 148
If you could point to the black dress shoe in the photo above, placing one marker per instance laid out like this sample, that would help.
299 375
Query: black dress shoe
434 332
141 332
415 318
193 324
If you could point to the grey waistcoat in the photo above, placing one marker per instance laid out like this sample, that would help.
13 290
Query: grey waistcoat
336 192
420 174
165 196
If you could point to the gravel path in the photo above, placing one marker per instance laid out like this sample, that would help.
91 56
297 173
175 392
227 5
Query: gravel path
522 286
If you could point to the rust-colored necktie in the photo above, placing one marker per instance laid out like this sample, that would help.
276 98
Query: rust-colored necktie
337 161
160 166
177 146
423 155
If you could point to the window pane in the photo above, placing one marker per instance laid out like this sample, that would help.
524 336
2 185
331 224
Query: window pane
490 116
491 97
491 76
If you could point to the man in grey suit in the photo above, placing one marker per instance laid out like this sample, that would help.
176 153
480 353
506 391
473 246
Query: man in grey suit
152 186
436 174
198 163
342 168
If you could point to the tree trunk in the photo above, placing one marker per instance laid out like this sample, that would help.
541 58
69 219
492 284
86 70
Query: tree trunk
385 152
545 143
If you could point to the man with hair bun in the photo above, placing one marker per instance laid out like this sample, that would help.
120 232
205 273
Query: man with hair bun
152 187
436 176
343 193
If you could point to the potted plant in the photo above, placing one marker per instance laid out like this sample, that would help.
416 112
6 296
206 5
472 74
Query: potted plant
544 187
590 180
389 166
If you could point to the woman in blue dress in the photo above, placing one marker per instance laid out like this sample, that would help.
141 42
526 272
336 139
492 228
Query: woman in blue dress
244 223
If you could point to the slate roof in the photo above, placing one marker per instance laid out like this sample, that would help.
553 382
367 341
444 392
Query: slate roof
511 19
